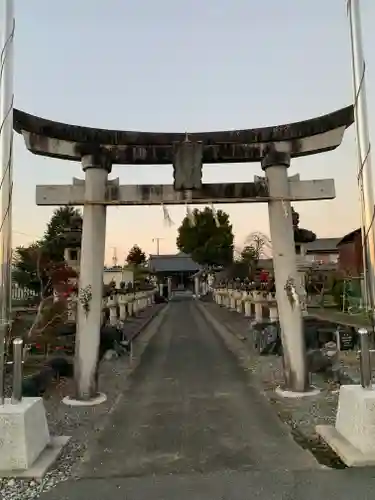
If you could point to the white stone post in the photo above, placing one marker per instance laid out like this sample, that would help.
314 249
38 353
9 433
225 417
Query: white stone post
96 168
258 312
169 288
274 314
135 305
122 306
239 305
131 306
232 301
112 305
196 286
275 165
247 305
228 299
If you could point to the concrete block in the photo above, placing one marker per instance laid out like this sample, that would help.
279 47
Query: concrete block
353 437
43 463
355 418
349 454
24 433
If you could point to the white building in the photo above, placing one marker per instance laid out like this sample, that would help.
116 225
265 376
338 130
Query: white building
117 275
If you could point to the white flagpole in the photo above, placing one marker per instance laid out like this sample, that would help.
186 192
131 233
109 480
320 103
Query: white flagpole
6 183
364 147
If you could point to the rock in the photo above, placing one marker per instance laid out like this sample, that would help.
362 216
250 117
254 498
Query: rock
61 367
110 354
318 361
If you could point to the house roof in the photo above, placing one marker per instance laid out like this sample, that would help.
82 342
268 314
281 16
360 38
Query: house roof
172 263
322 245
349 237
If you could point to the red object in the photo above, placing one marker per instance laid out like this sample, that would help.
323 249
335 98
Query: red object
264 276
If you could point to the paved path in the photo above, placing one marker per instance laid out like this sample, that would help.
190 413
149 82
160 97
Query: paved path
191 427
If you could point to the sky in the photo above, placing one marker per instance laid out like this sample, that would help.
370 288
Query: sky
172 65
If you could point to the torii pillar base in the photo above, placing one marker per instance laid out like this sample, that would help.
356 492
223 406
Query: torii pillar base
353 436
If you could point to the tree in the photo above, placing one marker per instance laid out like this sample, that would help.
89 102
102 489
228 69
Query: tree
32 264
209 239
136 256
63 230
301 235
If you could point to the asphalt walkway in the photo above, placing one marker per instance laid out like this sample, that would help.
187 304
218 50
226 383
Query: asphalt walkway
190 426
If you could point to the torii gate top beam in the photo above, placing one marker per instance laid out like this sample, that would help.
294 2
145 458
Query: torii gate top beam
71 142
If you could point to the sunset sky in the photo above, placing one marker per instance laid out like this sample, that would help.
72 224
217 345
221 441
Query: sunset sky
172 65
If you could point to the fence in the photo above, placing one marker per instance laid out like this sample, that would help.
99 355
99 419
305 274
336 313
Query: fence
352 301
22 294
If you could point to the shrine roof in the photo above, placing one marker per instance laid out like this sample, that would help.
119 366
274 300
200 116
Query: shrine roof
172 263
65 141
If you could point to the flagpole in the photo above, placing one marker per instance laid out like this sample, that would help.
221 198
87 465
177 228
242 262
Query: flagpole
6 183
365 181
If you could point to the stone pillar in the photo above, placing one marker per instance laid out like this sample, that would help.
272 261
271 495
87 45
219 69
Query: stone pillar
135 304
96 168
247 305
196 286
112 305
239 306
122 307
275 164
131 306
169 288
274 315
258 312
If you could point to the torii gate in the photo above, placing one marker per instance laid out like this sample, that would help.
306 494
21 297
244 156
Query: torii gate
99 149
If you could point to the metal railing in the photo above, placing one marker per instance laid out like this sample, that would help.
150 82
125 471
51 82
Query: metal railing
17 365
365 358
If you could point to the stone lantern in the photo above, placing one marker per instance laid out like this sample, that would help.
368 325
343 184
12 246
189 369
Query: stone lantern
72 240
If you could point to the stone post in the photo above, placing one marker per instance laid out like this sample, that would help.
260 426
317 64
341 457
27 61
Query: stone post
134 307
247 303
131 306
275 164
196 286
169 281
232 305
96 168
239 304
274 314
258 312
122 299
228 299
112 305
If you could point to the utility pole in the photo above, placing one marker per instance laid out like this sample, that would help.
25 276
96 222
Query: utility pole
157 240
114 257
6 160
365 180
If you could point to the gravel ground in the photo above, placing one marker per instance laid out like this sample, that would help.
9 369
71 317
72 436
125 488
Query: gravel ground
301 414
82 423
